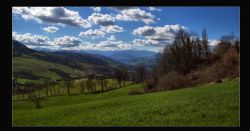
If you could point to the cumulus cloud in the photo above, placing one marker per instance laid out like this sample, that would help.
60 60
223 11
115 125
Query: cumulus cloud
107 45
51 29
112 28
96 9
92 33
29 39
101 19
135 14
67 41
139 42
145 31
111 38
213 42
154 9
159 35
55 15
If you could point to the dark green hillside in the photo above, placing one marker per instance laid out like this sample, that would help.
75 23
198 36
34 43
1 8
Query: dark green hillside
33 65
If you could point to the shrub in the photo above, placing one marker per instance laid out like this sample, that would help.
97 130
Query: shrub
170 81
136 91
36 100
230 61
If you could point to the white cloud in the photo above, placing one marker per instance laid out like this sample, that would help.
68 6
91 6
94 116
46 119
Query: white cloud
29 39
111 38
213 42
112 28
135 15
144 31
51 29
159 35
139 41
120 8
55 15
107 45
154 9
92 33
96 9
67 41
101 19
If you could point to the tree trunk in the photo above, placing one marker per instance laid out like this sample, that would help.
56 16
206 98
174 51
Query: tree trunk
102 85
68 87
58 91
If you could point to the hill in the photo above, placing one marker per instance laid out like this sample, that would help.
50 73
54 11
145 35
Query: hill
31 64
206 105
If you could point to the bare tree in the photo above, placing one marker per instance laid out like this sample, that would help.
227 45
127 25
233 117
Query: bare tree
118 75
82 86
124 75
69 82
140 72
36 100
204 43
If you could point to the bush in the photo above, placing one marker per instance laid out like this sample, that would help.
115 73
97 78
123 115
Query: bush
136 91
36 100
231 57
170 81
231 62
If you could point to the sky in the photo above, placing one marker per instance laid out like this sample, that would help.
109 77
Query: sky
118 28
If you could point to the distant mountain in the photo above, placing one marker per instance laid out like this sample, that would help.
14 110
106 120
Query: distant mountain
124 56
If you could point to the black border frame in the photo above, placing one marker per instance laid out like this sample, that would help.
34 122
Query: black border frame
7 52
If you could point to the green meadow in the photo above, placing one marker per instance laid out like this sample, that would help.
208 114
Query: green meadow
203 105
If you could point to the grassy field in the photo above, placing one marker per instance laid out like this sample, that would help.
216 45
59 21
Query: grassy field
206 105
40 68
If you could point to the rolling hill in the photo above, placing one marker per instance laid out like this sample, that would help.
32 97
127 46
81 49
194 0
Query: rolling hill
31 64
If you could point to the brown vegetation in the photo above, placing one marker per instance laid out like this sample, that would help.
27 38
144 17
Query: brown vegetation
188 62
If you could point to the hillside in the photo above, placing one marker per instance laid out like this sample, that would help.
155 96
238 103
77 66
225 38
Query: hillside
32 69
206 105
31 64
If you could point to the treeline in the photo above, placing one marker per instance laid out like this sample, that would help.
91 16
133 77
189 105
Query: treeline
189 61
48 88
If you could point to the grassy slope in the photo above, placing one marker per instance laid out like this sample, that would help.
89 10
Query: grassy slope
40 68
208 105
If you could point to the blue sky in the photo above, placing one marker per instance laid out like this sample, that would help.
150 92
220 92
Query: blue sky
110 28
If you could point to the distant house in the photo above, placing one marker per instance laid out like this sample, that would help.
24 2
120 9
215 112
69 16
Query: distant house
94 76
90 75
69 76
99 76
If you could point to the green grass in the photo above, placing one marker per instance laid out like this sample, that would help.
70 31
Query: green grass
206 105
40 68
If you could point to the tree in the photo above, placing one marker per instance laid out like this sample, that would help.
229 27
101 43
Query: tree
181 55
69 82
226 42
204 43
91 85
82 86
140 72
124 75
46 85
105 84
36 100
118 75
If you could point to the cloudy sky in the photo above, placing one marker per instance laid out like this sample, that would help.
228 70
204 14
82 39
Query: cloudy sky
118 28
